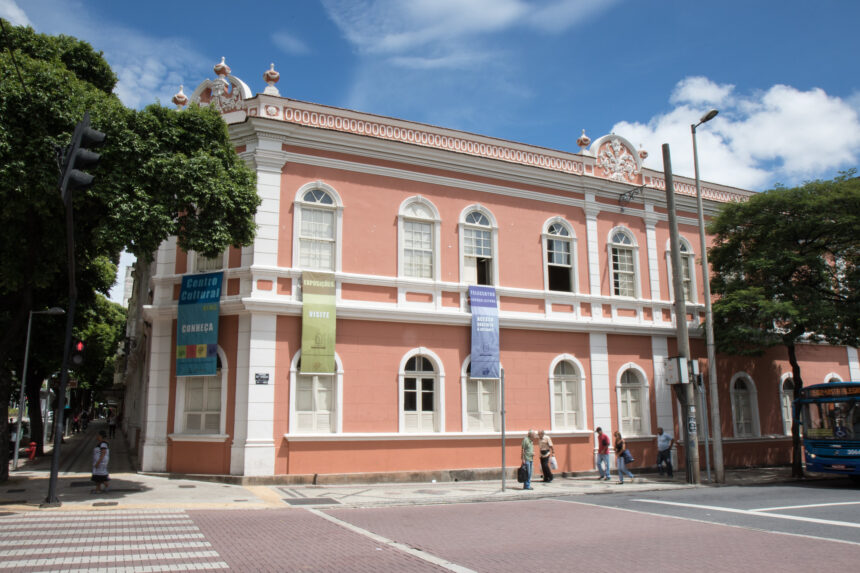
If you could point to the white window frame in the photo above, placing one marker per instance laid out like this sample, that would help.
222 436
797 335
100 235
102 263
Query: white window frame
438 388
195 258
571 239
753 405
580 411
435 223
336 208
688 259
832 378
785 402
464 398
644 388
337 394
179 410
494 240
611 244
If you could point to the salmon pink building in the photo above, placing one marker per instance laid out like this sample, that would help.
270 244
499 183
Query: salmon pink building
405 217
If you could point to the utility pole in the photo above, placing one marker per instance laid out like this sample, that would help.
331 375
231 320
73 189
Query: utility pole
686 392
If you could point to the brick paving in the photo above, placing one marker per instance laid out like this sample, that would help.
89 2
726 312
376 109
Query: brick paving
280 540
551 534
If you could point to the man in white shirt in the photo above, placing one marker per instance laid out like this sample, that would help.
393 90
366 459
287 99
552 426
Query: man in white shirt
664 451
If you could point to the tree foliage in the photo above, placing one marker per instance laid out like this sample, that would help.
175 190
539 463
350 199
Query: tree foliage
787 270
162 173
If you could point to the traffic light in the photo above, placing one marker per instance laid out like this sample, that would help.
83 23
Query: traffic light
77 356
78 157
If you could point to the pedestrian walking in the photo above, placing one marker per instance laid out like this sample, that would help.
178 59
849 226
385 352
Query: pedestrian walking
528 454
622 455
112 425
101 457
603 444
664 452
547 451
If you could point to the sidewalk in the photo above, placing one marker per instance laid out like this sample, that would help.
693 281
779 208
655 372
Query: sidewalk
27 487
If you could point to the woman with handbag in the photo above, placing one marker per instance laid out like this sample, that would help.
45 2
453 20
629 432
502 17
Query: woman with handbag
547 453
622 457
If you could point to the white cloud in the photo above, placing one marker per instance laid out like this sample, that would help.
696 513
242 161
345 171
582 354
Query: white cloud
701 90
780 135
290 44
394 29
10 11
148 68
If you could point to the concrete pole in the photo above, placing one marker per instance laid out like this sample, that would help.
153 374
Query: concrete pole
713 387
688 403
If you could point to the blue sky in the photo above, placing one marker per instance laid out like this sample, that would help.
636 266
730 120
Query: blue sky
783 73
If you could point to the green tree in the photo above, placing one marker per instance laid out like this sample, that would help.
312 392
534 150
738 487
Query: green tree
786 270
162 173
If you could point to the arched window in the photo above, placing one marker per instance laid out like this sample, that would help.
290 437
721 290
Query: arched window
744 406
317 228
315 399
566 385
418 236
633 402
623 263
832 378
688 275
201 402
482 400
786 396
421 393
477 247
559 256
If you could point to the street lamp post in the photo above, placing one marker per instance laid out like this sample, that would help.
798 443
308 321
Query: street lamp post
719 470
54 310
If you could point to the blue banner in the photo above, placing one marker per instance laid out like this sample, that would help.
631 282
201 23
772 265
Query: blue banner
485 332
197 325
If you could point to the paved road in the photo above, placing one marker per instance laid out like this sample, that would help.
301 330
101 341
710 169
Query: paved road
827 509
573 533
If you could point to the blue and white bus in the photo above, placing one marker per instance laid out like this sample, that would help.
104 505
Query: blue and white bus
830 418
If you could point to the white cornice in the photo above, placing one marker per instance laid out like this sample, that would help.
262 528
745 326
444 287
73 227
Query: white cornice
268 113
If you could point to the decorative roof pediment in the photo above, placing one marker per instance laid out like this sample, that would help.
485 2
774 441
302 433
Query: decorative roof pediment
226 92
617 159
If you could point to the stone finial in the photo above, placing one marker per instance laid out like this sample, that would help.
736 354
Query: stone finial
180 99
222 69
584 140
271 77
643 155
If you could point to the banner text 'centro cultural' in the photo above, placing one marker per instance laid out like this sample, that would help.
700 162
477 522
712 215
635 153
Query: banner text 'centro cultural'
197 325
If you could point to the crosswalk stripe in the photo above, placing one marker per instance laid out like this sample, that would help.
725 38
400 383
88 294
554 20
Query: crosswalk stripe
102 559
150 568
79 530
107 539
103 548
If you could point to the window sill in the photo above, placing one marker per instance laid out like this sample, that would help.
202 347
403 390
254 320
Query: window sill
198 437
404 436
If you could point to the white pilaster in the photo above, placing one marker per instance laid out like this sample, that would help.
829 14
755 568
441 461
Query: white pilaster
662 391
853 364
240 425
154 447
259 456
268 159
651 241
600 393
592 244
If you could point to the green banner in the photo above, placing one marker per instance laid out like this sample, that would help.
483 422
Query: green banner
318 322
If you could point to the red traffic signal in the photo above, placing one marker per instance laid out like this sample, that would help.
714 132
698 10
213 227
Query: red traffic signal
78 348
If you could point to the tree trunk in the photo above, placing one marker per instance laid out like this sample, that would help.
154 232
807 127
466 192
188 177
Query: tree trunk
796 453
34 401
